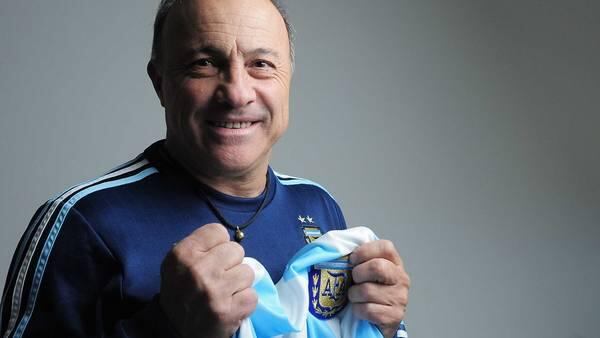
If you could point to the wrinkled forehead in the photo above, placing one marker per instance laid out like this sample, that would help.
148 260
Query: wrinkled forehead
226 21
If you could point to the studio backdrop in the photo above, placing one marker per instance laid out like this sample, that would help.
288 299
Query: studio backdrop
468 132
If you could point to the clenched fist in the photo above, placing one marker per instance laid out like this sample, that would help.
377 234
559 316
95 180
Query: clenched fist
205 291
380 292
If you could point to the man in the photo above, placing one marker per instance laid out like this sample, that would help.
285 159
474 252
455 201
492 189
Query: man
146 249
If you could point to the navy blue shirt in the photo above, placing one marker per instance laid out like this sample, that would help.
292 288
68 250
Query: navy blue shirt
89 262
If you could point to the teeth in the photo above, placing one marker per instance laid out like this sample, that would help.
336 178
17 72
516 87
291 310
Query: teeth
232 125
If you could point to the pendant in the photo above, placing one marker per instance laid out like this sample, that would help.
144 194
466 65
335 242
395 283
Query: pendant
239 235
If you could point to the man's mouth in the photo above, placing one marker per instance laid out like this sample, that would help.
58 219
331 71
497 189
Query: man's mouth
231 125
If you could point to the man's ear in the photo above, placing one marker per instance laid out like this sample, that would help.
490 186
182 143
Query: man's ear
156 77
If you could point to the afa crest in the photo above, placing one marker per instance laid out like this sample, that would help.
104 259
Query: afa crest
311 232
309 228
328 285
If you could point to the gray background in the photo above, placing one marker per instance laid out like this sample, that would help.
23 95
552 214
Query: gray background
466 131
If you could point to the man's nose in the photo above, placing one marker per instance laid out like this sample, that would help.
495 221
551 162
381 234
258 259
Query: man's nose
236 89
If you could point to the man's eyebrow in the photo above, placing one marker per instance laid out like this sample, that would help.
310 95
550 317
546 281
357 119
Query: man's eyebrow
265 51
212 50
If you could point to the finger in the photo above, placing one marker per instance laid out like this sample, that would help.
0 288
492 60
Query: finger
376 249
238 278
243 303
206 237
377 270
380 315
391 295
222 257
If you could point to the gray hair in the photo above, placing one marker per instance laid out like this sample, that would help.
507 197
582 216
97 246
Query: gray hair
165 7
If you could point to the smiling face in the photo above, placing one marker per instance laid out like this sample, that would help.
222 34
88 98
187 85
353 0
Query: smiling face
223 77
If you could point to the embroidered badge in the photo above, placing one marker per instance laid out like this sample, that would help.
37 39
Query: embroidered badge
309 228
328 285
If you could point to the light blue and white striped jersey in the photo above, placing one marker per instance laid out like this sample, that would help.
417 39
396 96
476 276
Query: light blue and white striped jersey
310 300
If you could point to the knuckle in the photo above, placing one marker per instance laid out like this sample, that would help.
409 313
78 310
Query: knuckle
367 291
357 255
354 293
403 299
174 263
248 300
182 253
356 273
252 298
402 278
220 231
378 267
388 246
215 230
221 316
369 311
176 253
216 227
400 296
236 249
247 274
219 310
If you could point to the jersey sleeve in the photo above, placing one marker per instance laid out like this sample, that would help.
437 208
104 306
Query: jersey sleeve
64 282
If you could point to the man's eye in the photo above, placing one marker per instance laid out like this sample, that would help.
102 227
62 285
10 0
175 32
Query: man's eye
203 67
204 63
262 64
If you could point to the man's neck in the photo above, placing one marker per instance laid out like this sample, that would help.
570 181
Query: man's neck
242 184
236 186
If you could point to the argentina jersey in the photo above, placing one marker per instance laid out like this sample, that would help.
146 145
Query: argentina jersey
310 300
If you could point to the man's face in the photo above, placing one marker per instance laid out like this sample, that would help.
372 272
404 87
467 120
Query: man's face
223 76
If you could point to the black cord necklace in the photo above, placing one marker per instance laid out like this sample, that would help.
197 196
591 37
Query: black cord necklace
239 234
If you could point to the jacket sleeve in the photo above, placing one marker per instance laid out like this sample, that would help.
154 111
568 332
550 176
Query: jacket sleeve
64 282
341 221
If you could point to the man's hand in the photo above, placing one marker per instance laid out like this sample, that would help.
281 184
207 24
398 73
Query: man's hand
205 290
380 292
